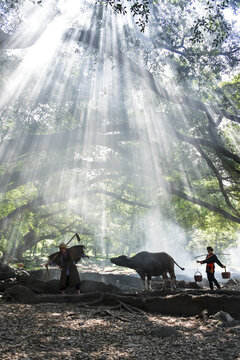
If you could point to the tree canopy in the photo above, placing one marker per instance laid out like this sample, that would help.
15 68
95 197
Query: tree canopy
109 132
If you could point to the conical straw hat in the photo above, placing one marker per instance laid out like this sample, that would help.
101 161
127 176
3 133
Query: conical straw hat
62 245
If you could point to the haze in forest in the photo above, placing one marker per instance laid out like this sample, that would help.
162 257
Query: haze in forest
129 138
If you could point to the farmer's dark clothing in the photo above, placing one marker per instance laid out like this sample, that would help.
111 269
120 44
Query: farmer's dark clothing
210 260
77 287
69 275
211 280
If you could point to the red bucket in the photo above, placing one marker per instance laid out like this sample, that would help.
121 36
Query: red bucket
198 278
226 274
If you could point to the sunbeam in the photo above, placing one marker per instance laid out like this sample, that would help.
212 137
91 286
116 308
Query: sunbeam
126 134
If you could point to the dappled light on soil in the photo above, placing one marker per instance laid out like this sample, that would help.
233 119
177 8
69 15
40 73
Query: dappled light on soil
37 332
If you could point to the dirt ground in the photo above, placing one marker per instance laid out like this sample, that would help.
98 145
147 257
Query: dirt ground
70 331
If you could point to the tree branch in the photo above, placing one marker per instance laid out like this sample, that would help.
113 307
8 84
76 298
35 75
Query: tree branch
208 206
120 198
214 169
209 144
10 181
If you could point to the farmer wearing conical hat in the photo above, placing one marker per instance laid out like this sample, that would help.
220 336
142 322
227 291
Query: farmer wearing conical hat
66 259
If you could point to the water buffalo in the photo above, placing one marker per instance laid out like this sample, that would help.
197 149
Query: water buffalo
150 264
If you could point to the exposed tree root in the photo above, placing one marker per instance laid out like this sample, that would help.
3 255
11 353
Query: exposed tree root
109 313
129 308
183 304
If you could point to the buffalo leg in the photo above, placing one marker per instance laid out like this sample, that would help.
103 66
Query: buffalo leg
165 279
149 282
173 280
142 276
144 283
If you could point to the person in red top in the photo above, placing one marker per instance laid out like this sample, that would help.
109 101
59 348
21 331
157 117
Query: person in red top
210 260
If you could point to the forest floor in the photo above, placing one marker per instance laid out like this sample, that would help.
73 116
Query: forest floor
72 331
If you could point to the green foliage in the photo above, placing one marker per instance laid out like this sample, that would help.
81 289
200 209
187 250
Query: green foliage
231 93
220 239
140 10
49 195
212 23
